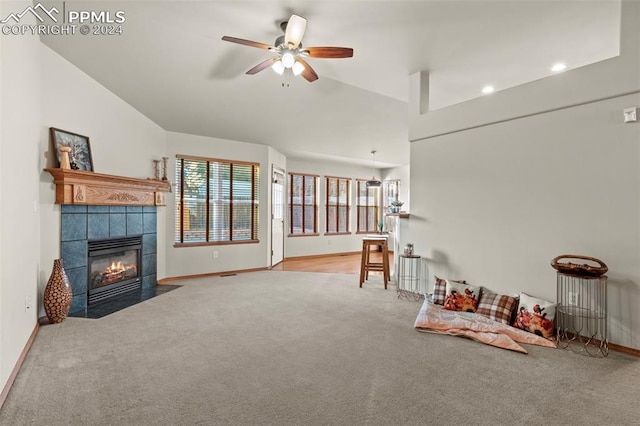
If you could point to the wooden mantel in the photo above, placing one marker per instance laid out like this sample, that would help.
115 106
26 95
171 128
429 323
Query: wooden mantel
83 188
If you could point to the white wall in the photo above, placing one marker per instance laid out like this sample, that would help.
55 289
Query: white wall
184 261
19 169
123 142
544 169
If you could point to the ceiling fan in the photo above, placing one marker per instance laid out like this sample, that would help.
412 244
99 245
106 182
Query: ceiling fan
289 50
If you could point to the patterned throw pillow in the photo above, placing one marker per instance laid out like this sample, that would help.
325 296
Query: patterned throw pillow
461 297
535 315
497 307
440 290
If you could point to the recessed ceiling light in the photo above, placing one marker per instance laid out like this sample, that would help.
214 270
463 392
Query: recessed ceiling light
487 89
558 67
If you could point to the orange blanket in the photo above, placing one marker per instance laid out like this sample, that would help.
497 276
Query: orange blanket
433 318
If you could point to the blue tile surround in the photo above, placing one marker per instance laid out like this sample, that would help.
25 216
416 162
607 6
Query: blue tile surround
82 223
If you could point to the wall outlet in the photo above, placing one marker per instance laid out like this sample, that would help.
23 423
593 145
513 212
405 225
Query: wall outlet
574 298
215 254
27 303
630 115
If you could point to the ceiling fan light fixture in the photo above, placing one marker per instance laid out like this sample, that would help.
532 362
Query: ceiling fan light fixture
295 30
278 67
288 59
288 53
297 68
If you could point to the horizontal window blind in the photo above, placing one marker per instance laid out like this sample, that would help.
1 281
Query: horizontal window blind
216 201
367 205
337 205
303 204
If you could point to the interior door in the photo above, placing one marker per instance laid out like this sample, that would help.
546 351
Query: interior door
277 216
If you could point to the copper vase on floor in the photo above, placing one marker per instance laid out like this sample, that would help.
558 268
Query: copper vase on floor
57 294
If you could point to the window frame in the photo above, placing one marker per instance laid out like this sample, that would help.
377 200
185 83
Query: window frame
180 199
327 205
376 206
291 205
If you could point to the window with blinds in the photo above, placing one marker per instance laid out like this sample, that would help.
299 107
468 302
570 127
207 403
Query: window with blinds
303 204
216 201
367 205
337 205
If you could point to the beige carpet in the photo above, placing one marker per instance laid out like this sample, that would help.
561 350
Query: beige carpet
301 348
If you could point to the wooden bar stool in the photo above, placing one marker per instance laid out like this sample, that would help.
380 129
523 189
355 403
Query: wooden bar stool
367 265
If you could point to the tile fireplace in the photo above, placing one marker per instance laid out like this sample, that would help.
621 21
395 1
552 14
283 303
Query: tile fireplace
97 268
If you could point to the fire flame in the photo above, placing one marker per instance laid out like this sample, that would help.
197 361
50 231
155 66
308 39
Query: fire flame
116 267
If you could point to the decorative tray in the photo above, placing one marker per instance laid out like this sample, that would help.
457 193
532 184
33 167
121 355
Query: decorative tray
567 267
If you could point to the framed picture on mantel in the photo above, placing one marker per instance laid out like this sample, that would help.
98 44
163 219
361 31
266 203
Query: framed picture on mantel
75 146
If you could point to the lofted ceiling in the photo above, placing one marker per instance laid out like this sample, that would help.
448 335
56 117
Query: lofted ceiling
171 64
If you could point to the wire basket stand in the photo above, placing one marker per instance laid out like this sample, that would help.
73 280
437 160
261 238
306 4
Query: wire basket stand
581 320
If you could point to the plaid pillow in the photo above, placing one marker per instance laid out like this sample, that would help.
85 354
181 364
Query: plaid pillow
440 290
497 307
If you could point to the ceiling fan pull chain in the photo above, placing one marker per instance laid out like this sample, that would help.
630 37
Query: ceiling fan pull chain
286 78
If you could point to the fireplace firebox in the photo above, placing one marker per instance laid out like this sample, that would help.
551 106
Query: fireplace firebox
115 267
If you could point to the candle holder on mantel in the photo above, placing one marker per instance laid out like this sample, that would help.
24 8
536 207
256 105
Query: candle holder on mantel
164 168
156 169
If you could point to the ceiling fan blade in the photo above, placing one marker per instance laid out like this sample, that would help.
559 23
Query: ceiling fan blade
262 65
308 72
295 31
329 52
247 42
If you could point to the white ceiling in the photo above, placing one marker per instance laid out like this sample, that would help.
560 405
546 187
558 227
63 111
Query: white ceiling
171 64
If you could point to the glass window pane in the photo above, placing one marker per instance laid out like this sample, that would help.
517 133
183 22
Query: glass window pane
217 201
303 204
309 219
296 219
242 191
297 189
309 190
343 192
331 219
342 219
337 201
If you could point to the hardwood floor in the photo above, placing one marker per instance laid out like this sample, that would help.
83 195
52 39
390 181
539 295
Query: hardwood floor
346 263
